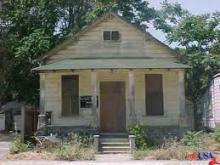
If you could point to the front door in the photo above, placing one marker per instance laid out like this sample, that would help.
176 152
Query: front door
112 107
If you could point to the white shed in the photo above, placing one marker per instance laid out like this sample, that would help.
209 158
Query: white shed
215 99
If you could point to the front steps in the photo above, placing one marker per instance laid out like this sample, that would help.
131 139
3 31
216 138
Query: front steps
114 143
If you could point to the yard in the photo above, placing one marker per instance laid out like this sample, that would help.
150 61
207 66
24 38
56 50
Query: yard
77 147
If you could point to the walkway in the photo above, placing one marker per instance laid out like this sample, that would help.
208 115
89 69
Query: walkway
5 140
118 162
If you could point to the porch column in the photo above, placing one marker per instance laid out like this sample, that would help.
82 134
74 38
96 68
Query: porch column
131 96
181 85
41 117
94 97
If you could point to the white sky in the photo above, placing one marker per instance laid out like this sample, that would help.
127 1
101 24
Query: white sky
194 7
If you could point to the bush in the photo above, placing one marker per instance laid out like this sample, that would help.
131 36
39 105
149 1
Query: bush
141 154
172 149
216 135
82 140
76 147
72 152
17 146
195 139
139 131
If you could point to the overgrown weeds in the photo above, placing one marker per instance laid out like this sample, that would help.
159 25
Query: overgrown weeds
177 149
17 146
74 147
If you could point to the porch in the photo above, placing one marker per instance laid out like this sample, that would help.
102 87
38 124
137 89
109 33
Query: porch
95 98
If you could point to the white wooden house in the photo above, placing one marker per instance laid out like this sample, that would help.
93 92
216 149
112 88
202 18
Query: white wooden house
112 74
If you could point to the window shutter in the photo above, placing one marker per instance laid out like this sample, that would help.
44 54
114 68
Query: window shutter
107 35
70 95
154 95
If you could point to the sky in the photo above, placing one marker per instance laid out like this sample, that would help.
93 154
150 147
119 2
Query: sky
194 7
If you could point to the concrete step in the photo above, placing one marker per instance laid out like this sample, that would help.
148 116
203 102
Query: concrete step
115 147
114 151
115 144
114 140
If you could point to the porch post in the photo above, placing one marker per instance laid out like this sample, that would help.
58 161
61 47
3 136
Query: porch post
183 121
131 96
94 97
41 117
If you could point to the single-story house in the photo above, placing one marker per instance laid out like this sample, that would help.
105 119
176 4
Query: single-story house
112 74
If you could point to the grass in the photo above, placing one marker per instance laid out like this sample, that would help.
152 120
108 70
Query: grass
142 154
176 150
75 147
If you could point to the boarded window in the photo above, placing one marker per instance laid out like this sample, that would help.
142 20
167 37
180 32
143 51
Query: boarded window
154 94
70 95
111 35
107 35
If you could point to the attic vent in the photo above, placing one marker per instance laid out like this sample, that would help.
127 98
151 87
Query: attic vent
111 35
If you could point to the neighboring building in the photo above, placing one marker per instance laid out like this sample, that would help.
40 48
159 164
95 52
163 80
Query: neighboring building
11 114
210 104
112 74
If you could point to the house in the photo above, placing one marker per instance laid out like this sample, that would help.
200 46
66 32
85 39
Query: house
110 75
210 104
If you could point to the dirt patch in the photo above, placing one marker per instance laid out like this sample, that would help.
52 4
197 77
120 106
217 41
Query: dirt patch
30 155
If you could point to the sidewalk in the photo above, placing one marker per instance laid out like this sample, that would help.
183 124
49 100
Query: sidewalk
5 141
131 162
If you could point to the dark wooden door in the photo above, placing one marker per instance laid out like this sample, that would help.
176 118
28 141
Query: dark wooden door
112 107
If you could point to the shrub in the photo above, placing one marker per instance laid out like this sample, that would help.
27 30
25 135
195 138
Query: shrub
17 146
139 131
74 152
216 134
77 147
141 154
195 139
82 140
172 149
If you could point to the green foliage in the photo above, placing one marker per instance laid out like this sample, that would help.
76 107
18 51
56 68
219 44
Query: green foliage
139 132
82 140
198 36
195 139
216 135
169 16
141 154
17 146
76 148
75 152
31 28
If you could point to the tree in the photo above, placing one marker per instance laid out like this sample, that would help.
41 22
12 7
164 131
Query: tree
32 27
199 41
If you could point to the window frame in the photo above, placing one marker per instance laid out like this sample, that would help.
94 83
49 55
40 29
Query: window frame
111 40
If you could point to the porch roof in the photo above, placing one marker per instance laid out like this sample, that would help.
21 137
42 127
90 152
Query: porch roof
70 64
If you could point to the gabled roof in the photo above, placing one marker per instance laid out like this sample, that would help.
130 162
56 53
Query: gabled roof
76 36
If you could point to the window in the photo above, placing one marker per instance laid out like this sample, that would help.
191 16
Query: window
107 35
111 35
70 95
154 95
